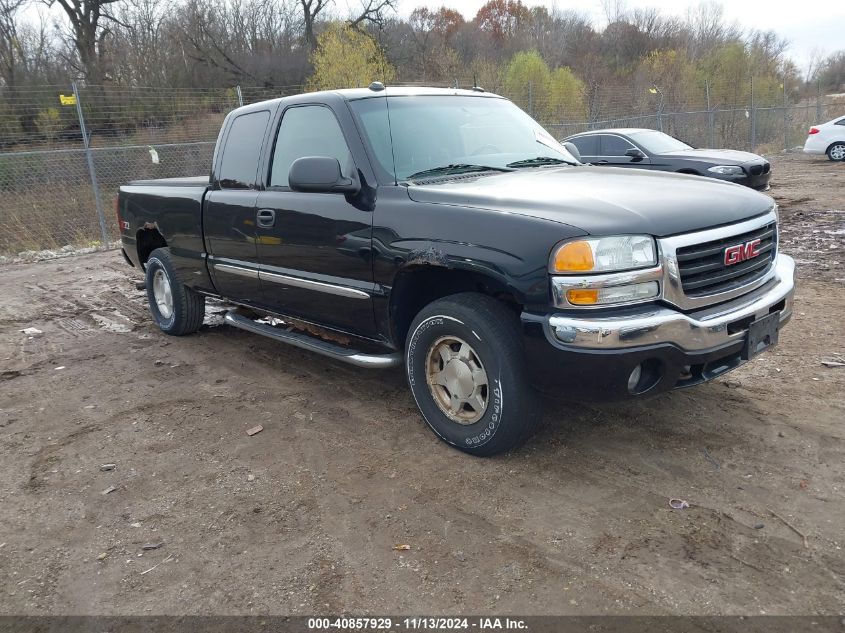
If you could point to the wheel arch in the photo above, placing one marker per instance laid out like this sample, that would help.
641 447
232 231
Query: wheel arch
830 146
417 285
147 240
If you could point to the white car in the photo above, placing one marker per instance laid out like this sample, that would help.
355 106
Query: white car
827 138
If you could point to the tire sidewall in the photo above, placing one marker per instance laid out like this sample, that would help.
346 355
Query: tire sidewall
155 263
423 334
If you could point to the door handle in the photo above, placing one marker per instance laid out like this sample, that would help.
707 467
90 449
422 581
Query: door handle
266 218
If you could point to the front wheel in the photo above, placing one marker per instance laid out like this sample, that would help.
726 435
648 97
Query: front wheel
836 152
176 309
465 367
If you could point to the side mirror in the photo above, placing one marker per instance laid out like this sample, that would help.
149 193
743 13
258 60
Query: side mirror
320 174
635 153
570 147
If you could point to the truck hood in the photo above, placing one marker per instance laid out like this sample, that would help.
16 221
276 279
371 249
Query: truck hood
604 200
715 156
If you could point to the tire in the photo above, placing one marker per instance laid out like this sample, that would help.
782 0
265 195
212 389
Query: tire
185 310
477 333
836 152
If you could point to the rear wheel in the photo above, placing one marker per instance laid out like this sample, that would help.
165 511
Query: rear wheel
176 309
465 367
836 152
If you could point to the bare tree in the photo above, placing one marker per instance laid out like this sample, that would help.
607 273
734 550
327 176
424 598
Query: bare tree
12 57
707 28
311 10
252 41
140 52
371 12
88 32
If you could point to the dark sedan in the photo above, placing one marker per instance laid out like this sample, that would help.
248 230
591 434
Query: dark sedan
650 149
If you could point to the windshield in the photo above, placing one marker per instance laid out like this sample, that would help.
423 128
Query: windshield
658 143
430 132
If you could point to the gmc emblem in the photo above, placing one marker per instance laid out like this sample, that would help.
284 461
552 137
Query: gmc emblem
741 252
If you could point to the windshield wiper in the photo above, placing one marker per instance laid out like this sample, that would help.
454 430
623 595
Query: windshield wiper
540 161
457 168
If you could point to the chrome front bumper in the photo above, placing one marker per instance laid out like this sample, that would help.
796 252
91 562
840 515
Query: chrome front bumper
703 329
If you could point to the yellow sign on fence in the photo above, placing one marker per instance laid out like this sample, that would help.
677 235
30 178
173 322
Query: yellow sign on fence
67 100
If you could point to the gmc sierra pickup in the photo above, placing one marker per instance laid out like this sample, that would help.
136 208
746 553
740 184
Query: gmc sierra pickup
446 231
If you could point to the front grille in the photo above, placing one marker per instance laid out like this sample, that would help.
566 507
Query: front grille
703 270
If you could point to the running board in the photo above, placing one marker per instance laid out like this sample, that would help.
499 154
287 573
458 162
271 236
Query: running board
303 341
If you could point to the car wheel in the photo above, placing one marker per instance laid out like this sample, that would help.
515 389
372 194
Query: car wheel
836 152
176 309
465 366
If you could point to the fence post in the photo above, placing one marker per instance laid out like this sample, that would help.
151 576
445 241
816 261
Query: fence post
531 98
240 96
91 171
785 116
753 118
710 122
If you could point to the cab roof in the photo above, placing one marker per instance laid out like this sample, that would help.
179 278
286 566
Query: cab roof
354 94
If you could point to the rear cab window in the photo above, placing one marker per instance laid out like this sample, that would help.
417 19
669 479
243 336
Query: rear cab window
239 163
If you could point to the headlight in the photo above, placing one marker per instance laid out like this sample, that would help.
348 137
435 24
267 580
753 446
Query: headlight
604 254
727 170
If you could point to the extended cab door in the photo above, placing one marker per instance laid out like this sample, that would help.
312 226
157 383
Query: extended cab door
315 248
229 208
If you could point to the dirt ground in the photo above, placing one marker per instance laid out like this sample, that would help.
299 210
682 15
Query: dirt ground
303 517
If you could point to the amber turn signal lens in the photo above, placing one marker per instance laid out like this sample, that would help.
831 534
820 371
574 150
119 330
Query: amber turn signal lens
574 257
583 296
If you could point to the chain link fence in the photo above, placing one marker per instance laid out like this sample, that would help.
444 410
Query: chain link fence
65 150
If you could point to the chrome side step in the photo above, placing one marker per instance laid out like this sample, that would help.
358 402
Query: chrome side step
303 341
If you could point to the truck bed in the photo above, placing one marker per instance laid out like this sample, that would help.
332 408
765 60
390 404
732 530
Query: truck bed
168 208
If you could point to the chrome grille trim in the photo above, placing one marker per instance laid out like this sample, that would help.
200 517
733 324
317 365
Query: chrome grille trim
703 271
673 288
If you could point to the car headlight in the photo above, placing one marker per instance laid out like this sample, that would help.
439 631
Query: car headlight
604 254
727 170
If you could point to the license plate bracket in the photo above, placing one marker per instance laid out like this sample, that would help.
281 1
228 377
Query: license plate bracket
762 334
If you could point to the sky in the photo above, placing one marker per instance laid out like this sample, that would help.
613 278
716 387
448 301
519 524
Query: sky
809 26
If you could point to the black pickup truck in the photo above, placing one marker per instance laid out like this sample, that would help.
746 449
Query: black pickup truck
446 231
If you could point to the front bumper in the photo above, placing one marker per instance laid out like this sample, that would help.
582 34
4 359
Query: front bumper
760 182
592 355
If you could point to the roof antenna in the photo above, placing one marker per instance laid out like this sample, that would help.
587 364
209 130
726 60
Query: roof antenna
376 86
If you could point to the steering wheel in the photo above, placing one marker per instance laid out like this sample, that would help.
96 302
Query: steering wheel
486 149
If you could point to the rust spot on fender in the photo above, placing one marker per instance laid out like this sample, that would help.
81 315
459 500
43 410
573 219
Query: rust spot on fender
429 256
